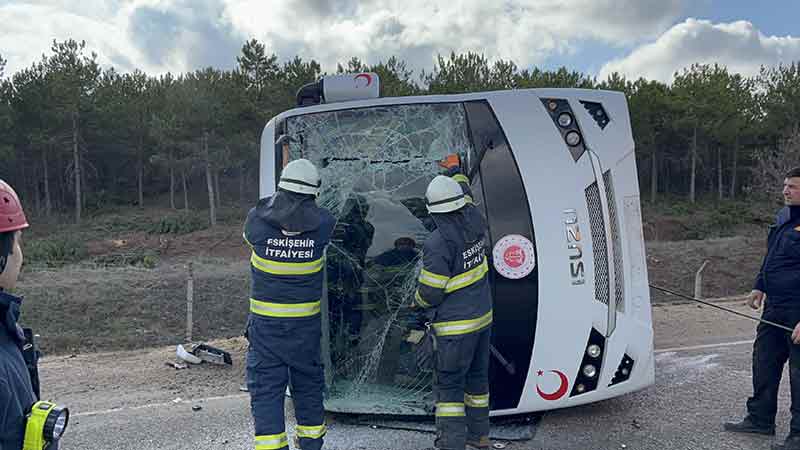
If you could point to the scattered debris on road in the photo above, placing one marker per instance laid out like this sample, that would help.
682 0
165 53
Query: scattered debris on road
212 354
187 356
176 366
200 353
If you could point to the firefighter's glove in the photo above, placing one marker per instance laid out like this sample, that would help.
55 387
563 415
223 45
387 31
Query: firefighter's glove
415 336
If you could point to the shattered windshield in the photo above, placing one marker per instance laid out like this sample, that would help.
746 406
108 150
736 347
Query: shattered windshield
375 165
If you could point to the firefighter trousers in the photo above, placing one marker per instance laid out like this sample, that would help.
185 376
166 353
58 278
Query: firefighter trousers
462 389
772 348
285 352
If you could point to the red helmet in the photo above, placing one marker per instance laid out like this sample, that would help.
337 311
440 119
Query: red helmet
12 217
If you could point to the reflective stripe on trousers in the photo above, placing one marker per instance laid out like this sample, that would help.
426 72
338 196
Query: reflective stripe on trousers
284 310
271 442
476 400
451 409
310 432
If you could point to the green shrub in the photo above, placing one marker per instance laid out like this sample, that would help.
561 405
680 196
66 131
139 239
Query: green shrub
137 258
119 223
180 223
52 252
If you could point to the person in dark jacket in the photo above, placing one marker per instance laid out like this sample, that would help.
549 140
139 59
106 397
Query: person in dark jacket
454 284
16 392
777 288
403 253
345 270
288 234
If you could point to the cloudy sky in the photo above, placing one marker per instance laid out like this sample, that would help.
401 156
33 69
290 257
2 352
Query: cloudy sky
650 38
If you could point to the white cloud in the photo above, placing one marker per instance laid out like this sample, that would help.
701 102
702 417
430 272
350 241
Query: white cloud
178 35
526 31
29 29
151 35
738 45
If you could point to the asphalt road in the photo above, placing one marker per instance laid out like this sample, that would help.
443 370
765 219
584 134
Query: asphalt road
702 379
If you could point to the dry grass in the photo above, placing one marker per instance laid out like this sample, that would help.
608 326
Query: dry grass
81 308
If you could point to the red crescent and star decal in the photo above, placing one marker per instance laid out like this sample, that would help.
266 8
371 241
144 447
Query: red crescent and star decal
366 76
562 388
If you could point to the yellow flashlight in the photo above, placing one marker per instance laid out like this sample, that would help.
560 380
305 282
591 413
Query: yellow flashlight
46 424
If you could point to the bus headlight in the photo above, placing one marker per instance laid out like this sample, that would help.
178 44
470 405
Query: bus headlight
46 423
588 374
565 119
573 138
593 350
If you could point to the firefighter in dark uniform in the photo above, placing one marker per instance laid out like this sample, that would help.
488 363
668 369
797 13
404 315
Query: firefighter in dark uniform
454 285
777 287
288 234
16 391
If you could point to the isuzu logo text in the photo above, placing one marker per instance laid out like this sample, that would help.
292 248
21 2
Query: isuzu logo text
574 246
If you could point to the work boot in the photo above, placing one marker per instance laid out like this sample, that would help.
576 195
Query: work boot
791 443
480 443
748 426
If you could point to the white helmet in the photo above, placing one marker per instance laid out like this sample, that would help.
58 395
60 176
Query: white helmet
300 176
444 195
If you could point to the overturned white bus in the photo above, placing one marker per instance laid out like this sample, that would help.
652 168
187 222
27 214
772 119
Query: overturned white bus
554 173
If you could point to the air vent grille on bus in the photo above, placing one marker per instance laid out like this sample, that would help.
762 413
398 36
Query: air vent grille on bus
598 228
624 370
619 281
598 113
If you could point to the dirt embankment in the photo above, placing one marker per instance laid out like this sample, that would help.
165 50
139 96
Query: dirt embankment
733 265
